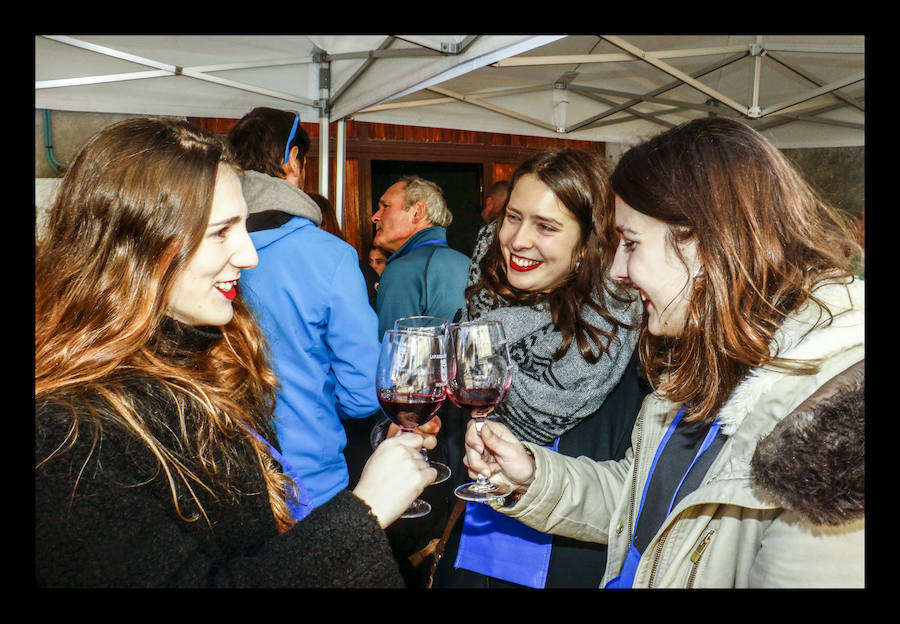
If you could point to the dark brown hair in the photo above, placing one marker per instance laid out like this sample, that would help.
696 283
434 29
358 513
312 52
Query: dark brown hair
580 180
764 238
259 139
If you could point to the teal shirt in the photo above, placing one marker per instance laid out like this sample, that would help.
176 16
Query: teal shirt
423 277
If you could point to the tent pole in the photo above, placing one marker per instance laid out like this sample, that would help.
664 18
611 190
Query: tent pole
323 156
340 149
323 105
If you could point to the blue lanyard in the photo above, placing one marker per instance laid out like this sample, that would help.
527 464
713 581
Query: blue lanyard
629 568
433 241
303 506
707 441
502 547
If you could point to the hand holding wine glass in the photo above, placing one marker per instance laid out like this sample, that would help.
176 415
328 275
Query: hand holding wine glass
495 450
393 476
481 373
411 384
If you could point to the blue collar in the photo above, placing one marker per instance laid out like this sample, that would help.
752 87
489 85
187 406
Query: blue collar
434 235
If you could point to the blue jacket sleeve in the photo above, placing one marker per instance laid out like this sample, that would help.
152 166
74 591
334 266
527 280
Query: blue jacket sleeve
352 341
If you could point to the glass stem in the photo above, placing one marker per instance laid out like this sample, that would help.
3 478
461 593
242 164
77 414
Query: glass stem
422 449
482 479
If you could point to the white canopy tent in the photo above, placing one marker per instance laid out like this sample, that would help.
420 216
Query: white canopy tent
798 90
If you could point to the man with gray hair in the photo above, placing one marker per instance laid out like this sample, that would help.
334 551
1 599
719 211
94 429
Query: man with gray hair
422 276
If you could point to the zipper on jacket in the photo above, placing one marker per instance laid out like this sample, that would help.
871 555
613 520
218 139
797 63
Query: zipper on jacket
695 557
659 547
637 448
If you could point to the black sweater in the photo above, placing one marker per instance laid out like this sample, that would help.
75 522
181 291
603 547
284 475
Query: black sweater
121 528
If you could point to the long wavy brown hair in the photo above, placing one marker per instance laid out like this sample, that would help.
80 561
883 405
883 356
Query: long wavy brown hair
131 211
580 180
764 238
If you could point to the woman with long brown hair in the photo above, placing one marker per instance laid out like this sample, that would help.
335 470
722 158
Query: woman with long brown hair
752 315
542 270
155 459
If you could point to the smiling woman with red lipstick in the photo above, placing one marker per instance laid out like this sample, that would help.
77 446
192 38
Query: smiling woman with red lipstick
538 237
155 460
542 270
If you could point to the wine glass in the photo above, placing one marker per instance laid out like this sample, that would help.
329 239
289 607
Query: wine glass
423 324
411 384
439 327
481 373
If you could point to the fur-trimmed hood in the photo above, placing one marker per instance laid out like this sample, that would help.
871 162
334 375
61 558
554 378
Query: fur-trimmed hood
813 461
801 439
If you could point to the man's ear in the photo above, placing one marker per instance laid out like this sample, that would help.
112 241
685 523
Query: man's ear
419 212
294 170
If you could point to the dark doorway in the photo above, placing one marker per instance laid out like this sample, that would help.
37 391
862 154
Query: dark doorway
461 184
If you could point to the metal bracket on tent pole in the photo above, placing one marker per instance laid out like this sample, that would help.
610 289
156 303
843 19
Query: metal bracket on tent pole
560 105
756 51
370 59
780 119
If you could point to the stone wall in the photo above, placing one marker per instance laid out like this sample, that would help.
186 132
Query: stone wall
837 173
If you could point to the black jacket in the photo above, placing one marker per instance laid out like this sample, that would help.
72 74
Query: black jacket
119 526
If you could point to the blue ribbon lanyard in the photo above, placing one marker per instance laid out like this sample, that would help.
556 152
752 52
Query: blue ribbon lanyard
433 241
626 577
501 547
301 508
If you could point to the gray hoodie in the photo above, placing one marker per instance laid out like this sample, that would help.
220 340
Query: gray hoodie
266 194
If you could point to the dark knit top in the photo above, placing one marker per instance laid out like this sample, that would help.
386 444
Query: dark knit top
104 515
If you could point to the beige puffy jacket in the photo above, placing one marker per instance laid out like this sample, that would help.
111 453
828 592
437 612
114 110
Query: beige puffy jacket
781 506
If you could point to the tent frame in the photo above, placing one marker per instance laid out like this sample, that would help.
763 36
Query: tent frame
622 104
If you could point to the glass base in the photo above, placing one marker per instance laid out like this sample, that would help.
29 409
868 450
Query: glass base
417 509
443 472
479 493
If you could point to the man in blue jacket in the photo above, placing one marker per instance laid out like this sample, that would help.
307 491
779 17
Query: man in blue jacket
422 276
311 301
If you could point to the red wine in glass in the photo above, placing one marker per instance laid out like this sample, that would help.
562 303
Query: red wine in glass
409 410
480 378
411 383
478 399
439 330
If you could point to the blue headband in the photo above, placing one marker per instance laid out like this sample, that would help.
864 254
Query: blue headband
287 148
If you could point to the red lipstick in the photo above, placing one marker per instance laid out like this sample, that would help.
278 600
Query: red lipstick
523 268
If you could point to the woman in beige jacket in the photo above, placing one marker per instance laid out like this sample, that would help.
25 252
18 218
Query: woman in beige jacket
740 474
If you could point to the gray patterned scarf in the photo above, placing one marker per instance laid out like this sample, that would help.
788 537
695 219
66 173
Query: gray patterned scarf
548 397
